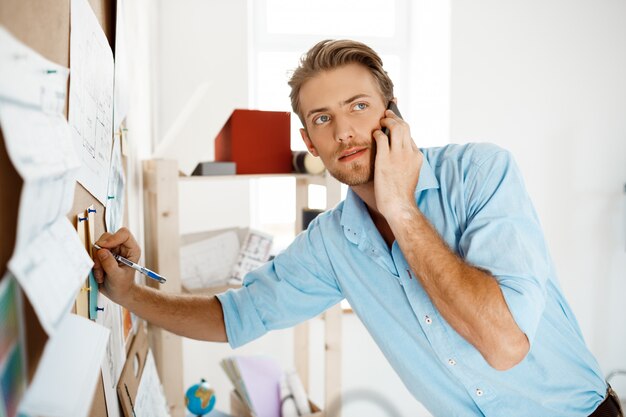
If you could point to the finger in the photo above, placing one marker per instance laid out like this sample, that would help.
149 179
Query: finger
400 128
382 142
123 239
107 261
390 114
103 239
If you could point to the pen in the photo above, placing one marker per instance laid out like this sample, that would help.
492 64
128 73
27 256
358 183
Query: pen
143 270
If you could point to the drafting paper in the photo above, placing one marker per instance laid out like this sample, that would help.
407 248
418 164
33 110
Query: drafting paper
111 318
29 79
115 354
254 252
36 135
48 259
121 92
51 270
150 400
91 98
65 380
40 149
114 212
208 262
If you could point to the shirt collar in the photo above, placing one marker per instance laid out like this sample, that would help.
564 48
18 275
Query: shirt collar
427 178
353 216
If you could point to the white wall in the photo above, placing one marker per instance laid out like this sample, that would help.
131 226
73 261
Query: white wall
547 81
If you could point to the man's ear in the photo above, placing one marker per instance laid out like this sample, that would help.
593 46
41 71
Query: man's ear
308 143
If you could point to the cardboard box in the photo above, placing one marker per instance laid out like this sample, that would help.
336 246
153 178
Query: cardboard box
257 141
238 408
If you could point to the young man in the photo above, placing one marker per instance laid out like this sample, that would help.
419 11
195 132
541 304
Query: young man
439 252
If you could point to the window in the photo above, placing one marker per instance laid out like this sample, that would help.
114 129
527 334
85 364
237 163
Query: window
412 37
282 30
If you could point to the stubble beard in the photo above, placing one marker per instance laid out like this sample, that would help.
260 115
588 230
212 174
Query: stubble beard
356 173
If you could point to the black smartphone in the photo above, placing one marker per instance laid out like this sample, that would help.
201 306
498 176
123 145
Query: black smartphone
391 106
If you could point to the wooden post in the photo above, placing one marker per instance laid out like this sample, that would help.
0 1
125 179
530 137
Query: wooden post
332 329
332 317
301 331
162 246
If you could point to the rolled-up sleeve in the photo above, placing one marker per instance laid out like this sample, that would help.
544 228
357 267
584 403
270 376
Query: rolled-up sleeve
297 285
503 236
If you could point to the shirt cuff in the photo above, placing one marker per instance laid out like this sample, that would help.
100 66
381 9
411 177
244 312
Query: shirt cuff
241 319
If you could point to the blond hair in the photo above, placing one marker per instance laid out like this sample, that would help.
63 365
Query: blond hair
330 54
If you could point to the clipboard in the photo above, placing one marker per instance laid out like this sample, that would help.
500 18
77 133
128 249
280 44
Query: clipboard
128 384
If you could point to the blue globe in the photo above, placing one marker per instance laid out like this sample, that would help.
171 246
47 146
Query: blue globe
200 398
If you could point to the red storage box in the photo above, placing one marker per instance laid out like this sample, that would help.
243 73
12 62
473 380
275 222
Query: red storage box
257 141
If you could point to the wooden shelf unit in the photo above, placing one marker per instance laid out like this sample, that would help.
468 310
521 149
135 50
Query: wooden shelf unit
162 248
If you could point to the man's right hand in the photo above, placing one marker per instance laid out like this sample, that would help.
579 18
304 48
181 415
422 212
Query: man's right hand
118 280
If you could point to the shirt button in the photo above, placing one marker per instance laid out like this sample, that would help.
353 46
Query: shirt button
451 362
428 320
479 392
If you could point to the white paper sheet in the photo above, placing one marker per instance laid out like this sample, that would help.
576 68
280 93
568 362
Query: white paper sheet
36 135
91 98
150 400
66 377
28 78
48 260
114 213
121 94
208 262
51 271
115 354
40 148
254 252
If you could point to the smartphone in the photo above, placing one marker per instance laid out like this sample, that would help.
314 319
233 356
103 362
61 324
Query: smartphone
391 106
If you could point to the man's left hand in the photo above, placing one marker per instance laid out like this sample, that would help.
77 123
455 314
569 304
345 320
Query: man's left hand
397 167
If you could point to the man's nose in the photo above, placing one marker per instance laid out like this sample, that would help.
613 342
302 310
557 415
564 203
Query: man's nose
344 131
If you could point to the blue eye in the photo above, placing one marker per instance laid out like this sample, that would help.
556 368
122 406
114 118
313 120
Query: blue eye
321 119
360 106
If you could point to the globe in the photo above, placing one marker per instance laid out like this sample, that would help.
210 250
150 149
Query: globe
200 398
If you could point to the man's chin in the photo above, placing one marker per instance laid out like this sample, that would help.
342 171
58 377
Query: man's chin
353 178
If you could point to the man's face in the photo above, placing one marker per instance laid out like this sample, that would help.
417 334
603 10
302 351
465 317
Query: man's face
341 109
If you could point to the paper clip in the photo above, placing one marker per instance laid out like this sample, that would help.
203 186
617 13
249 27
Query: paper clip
51 71
99 308
85 289
82 219
90 210
110 197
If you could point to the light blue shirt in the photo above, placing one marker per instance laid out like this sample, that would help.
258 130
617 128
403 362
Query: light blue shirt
475 197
